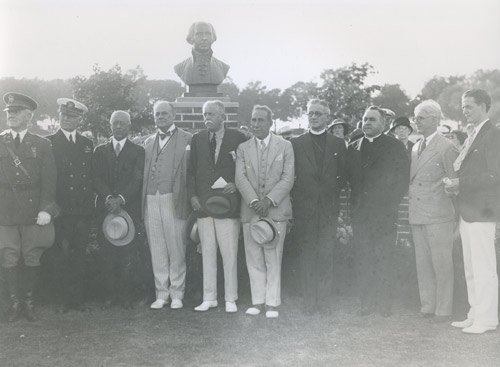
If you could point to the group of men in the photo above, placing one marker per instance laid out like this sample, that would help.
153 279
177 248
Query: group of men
222 180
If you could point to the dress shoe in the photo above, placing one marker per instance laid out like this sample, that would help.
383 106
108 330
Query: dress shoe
231 307
176 304
462 324
478 329
29 308
272 313
158 304
206 305
439 319
427 315
254 310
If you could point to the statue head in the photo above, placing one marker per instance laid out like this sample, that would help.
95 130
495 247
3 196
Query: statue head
201 35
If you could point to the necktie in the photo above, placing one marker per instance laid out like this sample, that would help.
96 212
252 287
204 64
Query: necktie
468 142
17 141
422 146
117 149
213 144
71 138
262 145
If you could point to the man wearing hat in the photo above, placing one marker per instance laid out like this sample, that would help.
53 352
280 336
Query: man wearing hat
319 177
264 177
75 196
117 170
214 198
379 171
165 205
27 203
401 129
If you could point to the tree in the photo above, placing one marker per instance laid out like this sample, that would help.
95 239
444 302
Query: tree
104 92
393 97
346 92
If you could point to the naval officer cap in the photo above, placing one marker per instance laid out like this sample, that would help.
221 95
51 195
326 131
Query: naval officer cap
71 107
18 101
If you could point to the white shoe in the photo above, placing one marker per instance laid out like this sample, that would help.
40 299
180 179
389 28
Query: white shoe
231 307
463 324
272 314
158 304
176 304
253 311
206 305
477 329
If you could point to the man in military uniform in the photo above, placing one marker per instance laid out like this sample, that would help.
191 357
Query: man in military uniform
75 197
27 206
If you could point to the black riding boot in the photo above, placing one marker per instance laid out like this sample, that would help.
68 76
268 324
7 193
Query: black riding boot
11 280
30 278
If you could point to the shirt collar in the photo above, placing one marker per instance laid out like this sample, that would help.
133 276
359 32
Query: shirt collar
169 132
218 134
265 140
317 132
122 142
67 134
21 134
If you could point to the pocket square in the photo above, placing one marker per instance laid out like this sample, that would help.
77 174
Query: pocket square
279 158
233 155
188 147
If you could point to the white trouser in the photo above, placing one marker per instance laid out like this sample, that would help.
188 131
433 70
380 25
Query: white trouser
166 241
478 243
224 233
264 267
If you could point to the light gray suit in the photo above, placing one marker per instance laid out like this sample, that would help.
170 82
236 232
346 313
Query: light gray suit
432 218
165 210
259 174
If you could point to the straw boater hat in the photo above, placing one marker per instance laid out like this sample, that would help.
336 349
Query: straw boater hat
119 228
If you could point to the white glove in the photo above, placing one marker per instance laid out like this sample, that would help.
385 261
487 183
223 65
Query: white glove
43 218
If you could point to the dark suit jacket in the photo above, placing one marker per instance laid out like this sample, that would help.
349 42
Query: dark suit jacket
317 193
34 193
120 175
479 178
74 194
203 171
379 185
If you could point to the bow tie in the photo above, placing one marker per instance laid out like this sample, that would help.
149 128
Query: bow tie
164 135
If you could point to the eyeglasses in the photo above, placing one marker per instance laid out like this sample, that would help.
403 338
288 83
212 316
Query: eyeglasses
163 113
315 113
421 118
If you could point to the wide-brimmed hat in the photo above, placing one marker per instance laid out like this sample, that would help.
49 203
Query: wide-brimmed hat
342 123
220 205
264 232
401 121
119 228
192 228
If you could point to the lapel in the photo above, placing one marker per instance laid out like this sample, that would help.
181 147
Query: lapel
179 148
477 140
308 146
327 158
272 152
25 146
223 146
429 152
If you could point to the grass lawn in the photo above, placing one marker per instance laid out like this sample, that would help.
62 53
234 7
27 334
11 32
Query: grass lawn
142 337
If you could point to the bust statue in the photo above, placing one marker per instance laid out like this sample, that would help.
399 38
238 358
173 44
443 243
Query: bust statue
202 71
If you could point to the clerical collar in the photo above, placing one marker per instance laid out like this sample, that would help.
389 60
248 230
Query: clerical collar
67 134
21 133
372 139
169 132
317 132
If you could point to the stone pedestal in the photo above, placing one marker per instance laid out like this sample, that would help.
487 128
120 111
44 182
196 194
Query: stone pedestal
189 115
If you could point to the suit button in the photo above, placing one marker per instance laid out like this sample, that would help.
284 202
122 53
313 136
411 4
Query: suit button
71 187
83 164
71 176
84 176
70 163
17 173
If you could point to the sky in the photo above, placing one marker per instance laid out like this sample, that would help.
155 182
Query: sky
275 41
